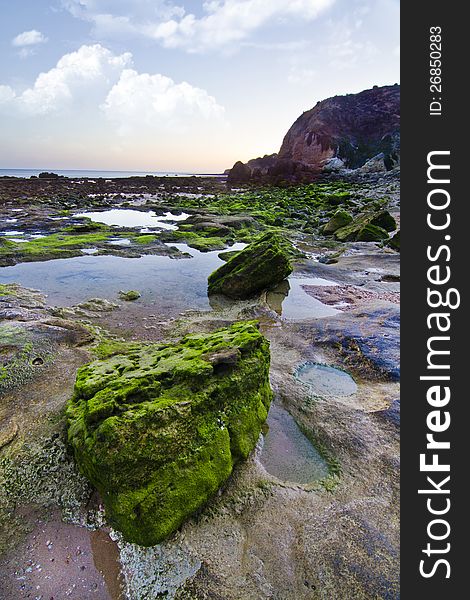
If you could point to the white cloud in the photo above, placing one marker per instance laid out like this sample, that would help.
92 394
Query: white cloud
139 101
94 81
301 75
76 76
347 47
223 22
7 95
29 38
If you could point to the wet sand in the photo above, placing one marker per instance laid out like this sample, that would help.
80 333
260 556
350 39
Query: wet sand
59 561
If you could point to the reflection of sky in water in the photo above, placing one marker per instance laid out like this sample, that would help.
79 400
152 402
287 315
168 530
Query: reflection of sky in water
287 453
167 283
134 218
326 381
292 302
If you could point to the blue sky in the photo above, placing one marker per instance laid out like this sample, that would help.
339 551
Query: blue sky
178 85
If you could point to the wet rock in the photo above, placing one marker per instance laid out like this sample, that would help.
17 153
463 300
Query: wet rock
394 241
225 256
158 429
384 220
371 233
31 335
263 264
237 221
8 433
129 296
211 228
368 227
48 175
392 413
341 218
92 308
369 343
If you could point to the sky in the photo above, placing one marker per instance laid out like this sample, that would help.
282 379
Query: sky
181 85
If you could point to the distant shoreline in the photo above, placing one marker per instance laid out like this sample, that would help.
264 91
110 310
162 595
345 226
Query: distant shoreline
97 174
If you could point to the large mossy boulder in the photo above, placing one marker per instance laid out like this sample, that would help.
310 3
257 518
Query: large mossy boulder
263 264
158 429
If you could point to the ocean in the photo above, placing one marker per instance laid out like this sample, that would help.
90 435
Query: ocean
76 173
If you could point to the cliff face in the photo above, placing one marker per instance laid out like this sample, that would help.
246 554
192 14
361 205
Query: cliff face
340 132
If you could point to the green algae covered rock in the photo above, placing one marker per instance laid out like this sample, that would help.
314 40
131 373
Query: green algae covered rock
384 220
369 227
371 233
263 264
130 295
158 428
341 218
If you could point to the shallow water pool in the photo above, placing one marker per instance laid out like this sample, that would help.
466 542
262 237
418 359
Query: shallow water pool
326 381
291 301
287 453
122 217
168 284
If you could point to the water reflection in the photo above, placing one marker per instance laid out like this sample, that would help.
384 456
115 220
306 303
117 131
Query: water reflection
291 301
167 284
287 453
135 218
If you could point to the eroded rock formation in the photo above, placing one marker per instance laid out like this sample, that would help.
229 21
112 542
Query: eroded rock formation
355 131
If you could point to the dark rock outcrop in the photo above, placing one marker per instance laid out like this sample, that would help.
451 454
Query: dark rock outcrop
239 173
261 265
356 131
158 428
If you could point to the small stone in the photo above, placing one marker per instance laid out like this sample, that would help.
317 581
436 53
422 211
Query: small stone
130 295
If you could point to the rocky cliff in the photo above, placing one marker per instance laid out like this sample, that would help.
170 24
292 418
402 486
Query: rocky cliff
356 131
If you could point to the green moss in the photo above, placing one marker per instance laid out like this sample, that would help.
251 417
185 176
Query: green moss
341 218
293 207
384 220
130 295
365 229
145 239
7 290
108 347
198 241
261 265
227 255
56 245
371 233
88 226
158 428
